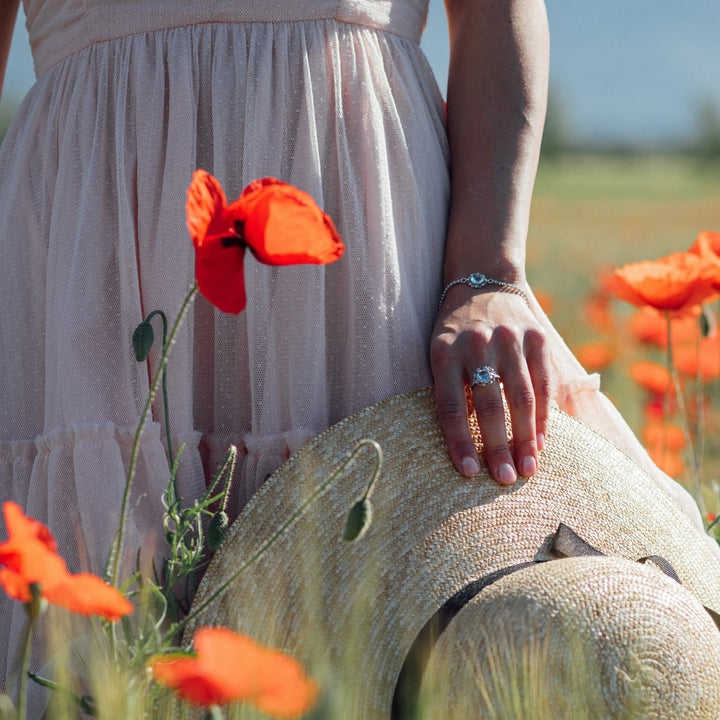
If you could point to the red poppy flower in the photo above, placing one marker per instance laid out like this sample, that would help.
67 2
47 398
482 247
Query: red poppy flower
669 461
278 223
658 435
229 667
676 282
652 376
29 557
707 246
650 326
703 360
598 312
594 356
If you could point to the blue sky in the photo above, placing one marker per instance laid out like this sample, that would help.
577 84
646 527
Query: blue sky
624 70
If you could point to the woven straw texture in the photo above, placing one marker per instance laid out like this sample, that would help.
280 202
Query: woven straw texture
584 637
349 611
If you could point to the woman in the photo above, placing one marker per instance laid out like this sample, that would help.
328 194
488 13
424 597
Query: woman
336 98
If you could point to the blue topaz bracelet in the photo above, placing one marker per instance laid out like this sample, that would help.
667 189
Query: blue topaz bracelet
479 280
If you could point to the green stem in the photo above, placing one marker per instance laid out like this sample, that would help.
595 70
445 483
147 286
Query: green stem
699 419
694 476
117 547
33 607
177 627
163 317
378 466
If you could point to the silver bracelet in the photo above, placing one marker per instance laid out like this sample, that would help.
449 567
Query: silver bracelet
479 280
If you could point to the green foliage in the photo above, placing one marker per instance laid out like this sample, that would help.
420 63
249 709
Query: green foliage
706 145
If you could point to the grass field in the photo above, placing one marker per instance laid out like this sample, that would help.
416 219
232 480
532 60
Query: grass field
591 214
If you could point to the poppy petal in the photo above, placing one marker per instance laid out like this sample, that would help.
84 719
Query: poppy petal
219 274
87 594
187 677
20 527
232 667
284 226
204 208
652 376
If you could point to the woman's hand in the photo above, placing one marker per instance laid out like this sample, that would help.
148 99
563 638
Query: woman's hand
496 329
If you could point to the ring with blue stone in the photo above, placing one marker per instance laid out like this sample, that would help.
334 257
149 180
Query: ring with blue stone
484 376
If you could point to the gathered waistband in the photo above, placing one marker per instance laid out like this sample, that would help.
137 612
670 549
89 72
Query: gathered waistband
60 28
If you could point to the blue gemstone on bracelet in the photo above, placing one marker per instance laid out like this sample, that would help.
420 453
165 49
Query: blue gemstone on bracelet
477 280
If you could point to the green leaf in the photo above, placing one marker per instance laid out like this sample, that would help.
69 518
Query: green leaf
358 520
142 340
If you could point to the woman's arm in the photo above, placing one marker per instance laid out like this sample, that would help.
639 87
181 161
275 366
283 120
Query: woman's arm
8 15
497 91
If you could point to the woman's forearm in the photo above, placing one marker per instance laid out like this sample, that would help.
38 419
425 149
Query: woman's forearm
8 16
497 92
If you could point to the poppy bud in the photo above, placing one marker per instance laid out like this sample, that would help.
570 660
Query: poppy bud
706 322
142 340
218 530
358 520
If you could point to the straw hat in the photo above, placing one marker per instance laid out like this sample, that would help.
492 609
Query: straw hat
350 611
585 637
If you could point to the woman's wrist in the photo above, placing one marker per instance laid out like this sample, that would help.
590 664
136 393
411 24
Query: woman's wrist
479 280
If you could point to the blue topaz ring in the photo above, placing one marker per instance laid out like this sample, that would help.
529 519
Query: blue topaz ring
484 376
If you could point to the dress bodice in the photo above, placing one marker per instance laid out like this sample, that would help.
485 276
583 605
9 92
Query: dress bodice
59 28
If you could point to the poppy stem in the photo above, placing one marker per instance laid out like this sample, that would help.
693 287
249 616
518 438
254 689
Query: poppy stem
34 608
682 409
350 458
113 567
163 317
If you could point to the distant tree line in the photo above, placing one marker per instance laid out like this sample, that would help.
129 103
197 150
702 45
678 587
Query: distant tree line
703 144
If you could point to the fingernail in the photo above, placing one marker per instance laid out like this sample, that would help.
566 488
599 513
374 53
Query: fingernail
541 441
506 474
470 467
528 466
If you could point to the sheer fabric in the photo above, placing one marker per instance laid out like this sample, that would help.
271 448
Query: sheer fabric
133 96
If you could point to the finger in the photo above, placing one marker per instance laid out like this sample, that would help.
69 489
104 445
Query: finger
541 376
490 413
453 417
520 397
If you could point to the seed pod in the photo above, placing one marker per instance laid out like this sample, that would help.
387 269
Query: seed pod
217 530
142 339
358 520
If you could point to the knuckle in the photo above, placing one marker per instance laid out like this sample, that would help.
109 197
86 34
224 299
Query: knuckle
524 447
536 339
543 387
497 451
505 336
477 343
490 406
451 412
440 350
522 398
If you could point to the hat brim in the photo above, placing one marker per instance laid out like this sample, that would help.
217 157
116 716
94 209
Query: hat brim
350 611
